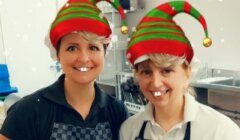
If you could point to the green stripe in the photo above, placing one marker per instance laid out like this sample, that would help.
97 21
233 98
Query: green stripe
154 29
72 16
124 22
206 33
93 1
77 9
158 36
157 13
156 23
115 4
81 4
195 13
178 5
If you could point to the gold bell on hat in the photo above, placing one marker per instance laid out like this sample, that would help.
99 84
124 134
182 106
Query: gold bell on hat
207 42
124 29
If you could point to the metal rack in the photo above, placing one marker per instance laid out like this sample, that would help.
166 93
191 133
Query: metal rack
117 70
129 93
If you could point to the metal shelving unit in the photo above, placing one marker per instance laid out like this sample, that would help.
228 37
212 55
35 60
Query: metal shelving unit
117 70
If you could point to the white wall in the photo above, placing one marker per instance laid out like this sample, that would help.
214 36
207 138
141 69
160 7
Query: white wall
25 24
2 58
223 21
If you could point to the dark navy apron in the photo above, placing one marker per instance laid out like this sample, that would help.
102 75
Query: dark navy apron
141 133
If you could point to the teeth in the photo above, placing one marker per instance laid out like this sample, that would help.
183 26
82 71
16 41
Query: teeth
157 93
83 69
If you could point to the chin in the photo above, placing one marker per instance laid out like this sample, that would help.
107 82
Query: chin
160 104
85 81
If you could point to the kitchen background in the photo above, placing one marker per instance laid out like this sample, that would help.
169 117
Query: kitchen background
24 25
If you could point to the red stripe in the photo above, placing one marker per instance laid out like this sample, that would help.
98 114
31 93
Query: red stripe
81 5
83 24
174 33
86 1
162 26
160 46
121 12
203 22
167 8
81 12
187 7
153 19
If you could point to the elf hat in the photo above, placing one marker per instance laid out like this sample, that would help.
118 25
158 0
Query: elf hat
158 33
83 15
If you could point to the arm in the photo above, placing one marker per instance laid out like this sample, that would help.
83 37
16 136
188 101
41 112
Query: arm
3 137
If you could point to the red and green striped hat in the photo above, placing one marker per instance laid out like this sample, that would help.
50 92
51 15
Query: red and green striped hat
157 32
83 15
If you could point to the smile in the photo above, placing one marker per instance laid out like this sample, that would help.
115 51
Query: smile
160 93
83 69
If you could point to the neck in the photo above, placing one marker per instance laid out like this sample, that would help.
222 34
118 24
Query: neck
169 116
79 93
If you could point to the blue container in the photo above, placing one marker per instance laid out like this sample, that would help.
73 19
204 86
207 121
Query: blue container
5 87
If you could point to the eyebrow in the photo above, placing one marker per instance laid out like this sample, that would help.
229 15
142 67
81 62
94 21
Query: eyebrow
70 43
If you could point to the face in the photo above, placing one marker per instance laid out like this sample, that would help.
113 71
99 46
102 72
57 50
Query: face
162 86
81 61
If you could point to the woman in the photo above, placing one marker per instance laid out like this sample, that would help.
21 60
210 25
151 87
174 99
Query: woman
73 107
161 56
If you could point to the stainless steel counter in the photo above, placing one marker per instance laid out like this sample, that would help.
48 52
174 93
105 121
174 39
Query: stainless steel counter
216 86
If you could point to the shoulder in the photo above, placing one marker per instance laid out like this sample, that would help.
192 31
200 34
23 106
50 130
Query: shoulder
208 113
133 121
214 124
29 102
131 127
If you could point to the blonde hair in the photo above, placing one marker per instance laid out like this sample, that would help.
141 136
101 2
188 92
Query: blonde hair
164 61
91 38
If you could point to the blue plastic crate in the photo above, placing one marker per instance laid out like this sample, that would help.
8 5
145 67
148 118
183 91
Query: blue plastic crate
5 87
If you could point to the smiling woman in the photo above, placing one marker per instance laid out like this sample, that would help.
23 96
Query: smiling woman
73 107
161 55
81 60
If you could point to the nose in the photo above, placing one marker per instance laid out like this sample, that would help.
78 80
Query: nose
156 80
83 56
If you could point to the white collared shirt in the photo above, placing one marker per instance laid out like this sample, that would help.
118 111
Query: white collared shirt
206 124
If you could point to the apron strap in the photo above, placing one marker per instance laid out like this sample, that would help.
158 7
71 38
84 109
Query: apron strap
141 133
188 132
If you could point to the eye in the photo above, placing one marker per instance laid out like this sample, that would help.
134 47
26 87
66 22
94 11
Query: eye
94 48
72 48
145 72
167 71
